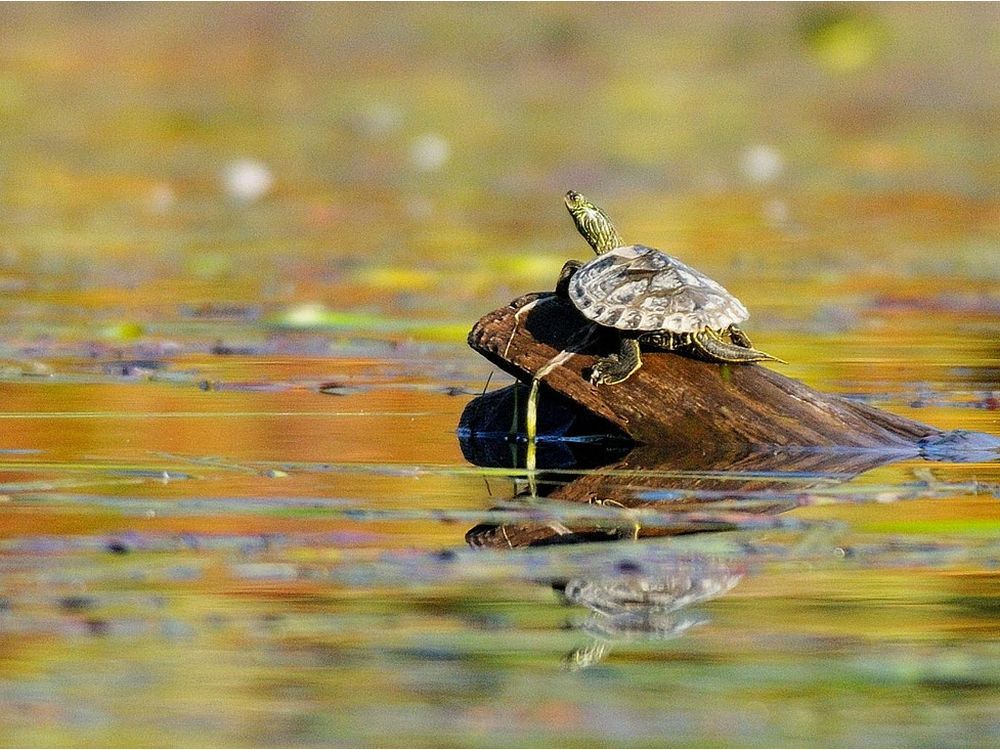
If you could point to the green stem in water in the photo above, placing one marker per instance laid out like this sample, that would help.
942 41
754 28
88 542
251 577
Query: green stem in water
531 431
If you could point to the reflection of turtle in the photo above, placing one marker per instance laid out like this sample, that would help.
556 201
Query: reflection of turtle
647 600
651 299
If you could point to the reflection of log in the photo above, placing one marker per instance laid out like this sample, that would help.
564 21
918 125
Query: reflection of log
777 475
774 474
678 401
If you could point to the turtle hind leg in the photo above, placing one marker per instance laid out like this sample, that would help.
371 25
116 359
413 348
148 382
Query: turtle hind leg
739 338
710 344
617 368
562 284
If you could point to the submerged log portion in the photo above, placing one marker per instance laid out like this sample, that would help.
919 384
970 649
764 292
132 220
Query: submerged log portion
675 400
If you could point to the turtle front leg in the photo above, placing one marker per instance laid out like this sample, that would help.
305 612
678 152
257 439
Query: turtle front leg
710 344
739 338
562 285
617 368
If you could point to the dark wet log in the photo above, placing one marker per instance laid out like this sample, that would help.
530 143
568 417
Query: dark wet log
678 401
491 432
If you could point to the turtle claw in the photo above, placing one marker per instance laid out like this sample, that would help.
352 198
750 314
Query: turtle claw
617 368
602 373
738 337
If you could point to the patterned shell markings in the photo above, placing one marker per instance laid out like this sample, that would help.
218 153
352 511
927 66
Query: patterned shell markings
637 288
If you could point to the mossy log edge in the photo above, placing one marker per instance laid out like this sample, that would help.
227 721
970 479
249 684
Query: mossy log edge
675 400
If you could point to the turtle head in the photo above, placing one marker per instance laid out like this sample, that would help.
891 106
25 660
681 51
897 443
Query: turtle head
593 223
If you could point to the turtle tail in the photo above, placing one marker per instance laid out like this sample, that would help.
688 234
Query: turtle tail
710 343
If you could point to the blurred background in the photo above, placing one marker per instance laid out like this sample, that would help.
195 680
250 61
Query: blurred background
438 139
241 246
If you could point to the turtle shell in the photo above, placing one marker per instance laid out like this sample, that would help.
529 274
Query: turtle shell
637 288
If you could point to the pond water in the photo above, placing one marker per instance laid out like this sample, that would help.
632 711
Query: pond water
242 248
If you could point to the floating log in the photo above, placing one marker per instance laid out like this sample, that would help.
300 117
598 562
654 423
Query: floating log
677 401
708 431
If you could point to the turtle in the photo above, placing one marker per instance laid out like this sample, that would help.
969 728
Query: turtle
652 300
